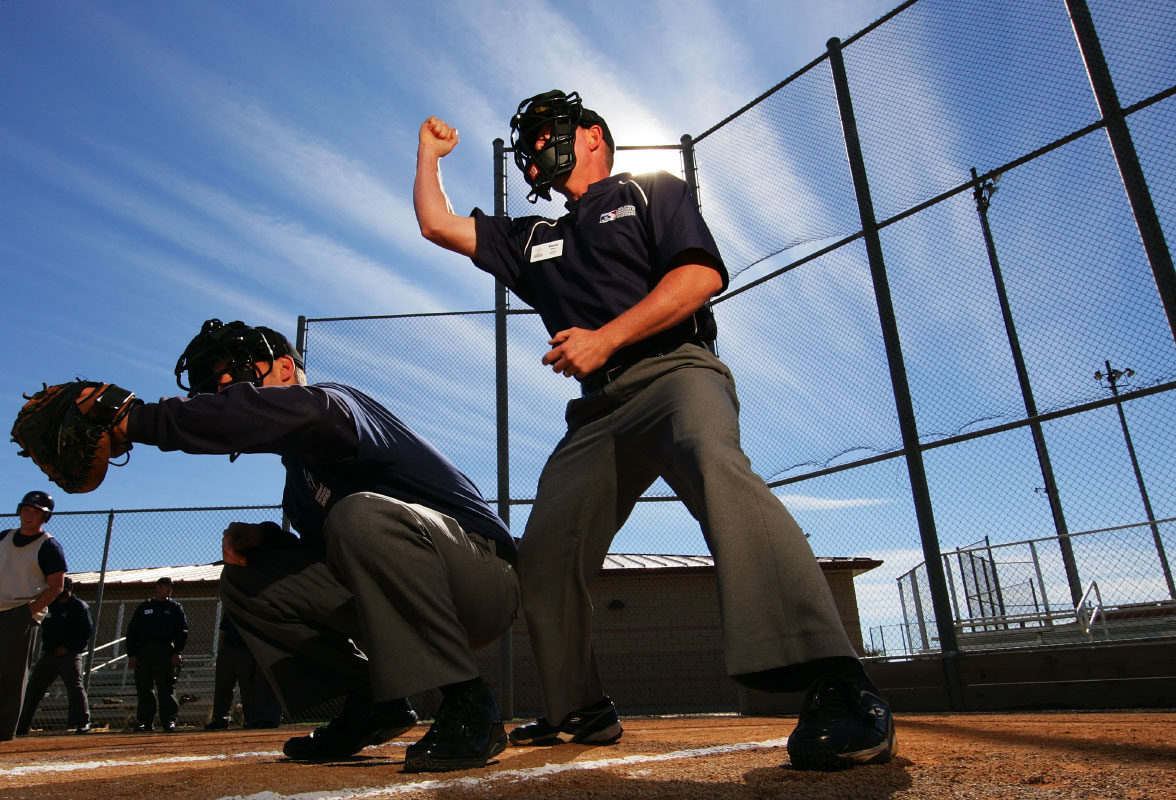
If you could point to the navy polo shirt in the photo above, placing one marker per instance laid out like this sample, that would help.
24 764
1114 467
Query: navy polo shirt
604 256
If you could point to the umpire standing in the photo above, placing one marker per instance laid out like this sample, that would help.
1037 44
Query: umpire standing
155 639
622 283
65 635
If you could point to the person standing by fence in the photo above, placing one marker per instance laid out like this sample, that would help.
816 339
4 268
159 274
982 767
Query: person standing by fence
32 573
156 637
65 635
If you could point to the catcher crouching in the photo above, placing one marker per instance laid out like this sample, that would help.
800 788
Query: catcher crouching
400 568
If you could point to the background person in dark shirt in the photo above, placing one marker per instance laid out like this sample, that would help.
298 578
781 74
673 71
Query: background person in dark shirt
156 636
65 636
400 569
32 574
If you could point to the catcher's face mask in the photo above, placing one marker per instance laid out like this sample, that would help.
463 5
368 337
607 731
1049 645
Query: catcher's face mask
243 353
543 137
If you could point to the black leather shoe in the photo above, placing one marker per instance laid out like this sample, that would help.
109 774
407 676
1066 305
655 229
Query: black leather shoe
466 734
595 724
356 728
169 727
144 727
843 722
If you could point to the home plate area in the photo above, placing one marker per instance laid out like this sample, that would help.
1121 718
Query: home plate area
1038 755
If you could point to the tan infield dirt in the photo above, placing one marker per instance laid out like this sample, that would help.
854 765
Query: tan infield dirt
1092 756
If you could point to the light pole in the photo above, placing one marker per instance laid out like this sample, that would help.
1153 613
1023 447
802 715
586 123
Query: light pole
982 194
1112 376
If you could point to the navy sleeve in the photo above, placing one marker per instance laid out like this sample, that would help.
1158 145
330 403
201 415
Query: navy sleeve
181 633
675 223
502 243
246 419
82 627
136 622
51 556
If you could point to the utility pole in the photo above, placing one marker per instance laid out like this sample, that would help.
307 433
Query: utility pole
1112 376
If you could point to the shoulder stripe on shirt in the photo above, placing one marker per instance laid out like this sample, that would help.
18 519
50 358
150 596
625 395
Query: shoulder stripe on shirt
531 235
644 199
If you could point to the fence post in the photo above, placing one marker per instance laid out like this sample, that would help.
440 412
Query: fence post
1040 582
920 492
983 197
98 601
920 617
1126 159
1000 604
505 643
300 345
906 618
955 602
689 168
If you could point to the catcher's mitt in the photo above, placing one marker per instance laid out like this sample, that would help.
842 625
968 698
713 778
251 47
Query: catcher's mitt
67 430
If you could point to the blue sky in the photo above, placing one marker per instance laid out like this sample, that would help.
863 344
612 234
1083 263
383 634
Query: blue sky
162 163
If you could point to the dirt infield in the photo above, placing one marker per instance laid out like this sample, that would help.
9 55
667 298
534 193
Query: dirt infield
1041 755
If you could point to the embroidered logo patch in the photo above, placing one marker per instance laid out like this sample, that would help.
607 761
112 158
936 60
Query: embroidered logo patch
623 211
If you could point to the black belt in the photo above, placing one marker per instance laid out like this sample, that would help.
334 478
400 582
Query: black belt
596 381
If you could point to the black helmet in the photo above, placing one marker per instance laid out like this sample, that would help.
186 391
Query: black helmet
37 500
564 113
231 347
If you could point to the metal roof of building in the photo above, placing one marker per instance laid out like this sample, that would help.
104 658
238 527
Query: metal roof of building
613 562
194 573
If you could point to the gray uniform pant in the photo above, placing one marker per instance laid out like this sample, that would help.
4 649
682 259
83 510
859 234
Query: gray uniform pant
674 416
48 667
16 645
404 583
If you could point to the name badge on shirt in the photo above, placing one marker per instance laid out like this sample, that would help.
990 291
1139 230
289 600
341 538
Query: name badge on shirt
542 252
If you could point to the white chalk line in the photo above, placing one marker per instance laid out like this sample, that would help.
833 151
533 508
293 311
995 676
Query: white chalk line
508 774
71 766
400 788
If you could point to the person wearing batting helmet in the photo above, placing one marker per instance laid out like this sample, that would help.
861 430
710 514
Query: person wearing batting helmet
32 575
622 283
